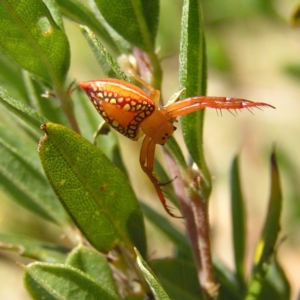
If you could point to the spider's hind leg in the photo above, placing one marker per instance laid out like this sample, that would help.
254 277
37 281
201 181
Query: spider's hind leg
147 162
154 94
164 183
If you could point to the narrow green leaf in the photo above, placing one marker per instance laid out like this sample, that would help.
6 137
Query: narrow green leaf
25 112
56 281
55 12
229 286
179 278
193 78
135 20
28 30
176 153
10 78
165 226
156 288
49 108
79 13
265 247
33 249
108 143
95 193
276 285
92 263
109 65
23 180
238 222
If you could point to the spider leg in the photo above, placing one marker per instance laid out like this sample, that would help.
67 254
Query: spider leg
147 163
154 94
193 104
166 182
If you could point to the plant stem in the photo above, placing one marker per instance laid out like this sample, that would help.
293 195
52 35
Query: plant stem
67 107
195 211
205 273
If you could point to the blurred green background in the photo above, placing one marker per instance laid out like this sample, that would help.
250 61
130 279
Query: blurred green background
253 53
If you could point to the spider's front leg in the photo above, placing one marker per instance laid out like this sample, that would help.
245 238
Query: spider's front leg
147 163
193 104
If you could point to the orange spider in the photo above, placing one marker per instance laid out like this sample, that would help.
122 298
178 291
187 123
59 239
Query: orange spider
134 113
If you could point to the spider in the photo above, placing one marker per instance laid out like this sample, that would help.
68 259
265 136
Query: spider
135 113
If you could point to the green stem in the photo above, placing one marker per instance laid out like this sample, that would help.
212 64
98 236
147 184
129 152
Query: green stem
67 106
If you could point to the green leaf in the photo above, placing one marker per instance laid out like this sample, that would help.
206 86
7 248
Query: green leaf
55 12
10 78
109 65
48 107
92 263
95 193
22 178
238 222
276 285
25 112
34 249
29 31
108 143
165 226
193 78
179 278
229 286
265 247
176 152
135 20
56 281
156 288
79 13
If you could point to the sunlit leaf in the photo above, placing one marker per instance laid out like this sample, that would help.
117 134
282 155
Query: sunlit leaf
265 247
57 281
28 247
135 20
193 78
170 273
109 65
76 11
156 288
92 263
238 221
276 285
29 115
95 193
29 24
22 178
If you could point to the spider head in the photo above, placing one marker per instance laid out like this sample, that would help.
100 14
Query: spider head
163 133
158 127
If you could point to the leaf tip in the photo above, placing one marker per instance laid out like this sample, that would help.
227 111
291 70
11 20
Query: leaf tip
44 128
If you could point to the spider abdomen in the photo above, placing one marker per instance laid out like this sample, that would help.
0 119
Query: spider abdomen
121 107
